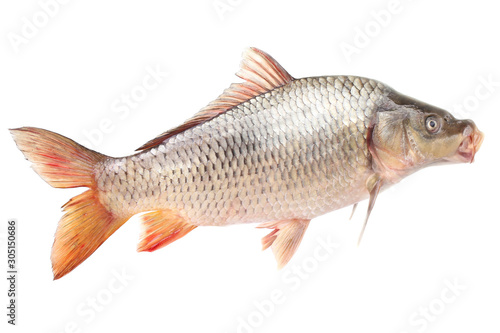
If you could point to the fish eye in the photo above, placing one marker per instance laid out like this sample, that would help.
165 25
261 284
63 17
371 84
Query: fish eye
432 124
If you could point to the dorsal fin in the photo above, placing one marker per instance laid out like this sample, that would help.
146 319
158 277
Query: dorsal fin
261 74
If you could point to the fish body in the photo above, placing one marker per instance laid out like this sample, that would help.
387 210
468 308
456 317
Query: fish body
272 150
298 151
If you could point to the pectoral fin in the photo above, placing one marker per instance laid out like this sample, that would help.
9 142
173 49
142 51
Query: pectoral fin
284 239
373 185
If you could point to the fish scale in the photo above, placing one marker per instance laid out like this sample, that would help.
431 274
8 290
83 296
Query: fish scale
272 166
272 149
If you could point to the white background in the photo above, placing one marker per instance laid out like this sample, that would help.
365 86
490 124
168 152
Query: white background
438 225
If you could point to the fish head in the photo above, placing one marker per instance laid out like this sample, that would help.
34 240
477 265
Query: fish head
436 137
408 135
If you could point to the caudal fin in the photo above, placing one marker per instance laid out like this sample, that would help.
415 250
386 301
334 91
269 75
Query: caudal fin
60 161
63 163
83 228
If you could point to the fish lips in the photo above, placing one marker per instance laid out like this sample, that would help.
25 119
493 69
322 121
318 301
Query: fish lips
473 138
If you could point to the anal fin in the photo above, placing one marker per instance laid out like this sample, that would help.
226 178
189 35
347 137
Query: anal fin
160 228
284 239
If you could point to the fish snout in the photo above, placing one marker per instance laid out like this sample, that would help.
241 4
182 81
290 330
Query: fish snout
473 138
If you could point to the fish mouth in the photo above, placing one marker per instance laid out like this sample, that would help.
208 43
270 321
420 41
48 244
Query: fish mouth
470 145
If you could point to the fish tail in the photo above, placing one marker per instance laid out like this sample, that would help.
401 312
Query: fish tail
60 161
63 163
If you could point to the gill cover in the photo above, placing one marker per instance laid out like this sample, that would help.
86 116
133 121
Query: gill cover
389 141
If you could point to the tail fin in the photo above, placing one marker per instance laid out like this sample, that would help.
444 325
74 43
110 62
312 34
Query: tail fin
84 227
63 163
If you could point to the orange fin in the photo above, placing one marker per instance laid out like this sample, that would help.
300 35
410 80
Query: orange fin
60 161
160 228
84 227
284 239
261 74
63 163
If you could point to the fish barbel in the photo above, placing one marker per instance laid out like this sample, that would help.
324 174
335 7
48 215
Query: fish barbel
273 150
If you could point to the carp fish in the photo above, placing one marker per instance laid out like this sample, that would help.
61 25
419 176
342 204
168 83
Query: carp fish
272 149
